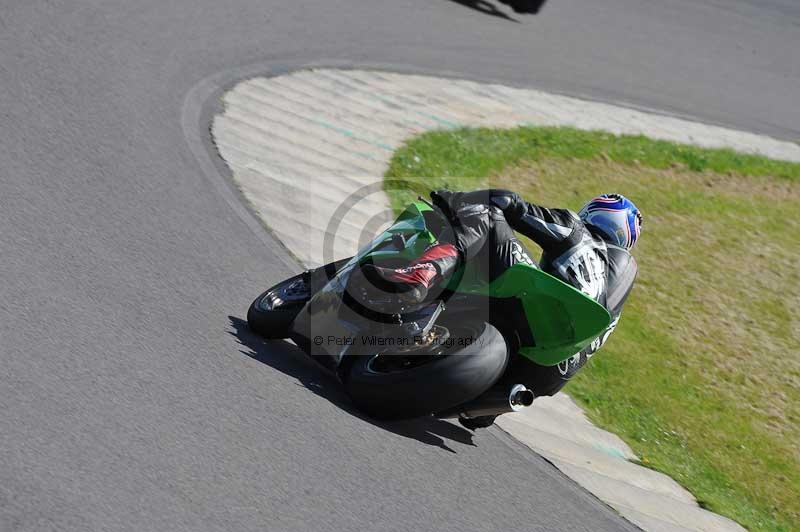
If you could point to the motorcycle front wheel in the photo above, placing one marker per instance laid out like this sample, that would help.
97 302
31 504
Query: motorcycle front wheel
272 313
403 383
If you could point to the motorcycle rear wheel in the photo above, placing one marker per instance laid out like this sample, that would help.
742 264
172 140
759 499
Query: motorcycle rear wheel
407 385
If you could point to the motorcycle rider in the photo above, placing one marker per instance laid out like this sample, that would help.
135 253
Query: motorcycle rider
589 250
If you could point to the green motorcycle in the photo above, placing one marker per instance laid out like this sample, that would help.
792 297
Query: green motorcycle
444 358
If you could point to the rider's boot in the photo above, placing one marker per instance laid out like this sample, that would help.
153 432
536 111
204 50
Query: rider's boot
411 284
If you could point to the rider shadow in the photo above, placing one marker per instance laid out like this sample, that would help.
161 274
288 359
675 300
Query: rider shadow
290 360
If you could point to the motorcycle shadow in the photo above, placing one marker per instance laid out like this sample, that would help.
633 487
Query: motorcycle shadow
485 7
287 358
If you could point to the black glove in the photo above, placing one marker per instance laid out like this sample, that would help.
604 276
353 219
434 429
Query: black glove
443 200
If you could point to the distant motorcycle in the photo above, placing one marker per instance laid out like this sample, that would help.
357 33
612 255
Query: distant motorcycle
444 358
525 6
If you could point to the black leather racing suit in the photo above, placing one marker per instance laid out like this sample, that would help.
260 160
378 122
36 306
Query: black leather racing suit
483 230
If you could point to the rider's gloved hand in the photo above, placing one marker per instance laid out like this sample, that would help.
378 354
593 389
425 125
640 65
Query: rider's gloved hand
443 199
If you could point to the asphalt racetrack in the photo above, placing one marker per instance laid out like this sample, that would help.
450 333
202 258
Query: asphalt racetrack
132 396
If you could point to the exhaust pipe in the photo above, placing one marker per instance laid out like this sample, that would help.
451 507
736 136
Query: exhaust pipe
496 401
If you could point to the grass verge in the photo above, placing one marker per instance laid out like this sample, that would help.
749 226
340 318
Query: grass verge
702 377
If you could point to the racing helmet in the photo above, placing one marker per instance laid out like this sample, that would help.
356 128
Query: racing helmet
615 217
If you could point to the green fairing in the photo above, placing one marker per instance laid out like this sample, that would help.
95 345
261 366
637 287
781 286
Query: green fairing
563 321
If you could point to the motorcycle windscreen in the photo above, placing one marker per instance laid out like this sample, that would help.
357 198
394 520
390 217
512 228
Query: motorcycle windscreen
563 320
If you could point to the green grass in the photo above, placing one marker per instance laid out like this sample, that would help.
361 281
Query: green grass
702 377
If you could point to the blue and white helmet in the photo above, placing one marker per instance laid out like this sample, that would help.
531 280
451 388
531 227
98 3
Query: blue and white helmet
615 217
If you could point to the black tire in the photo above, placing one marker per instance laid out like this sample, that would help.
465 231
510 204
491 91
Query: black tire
459 375
272 313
